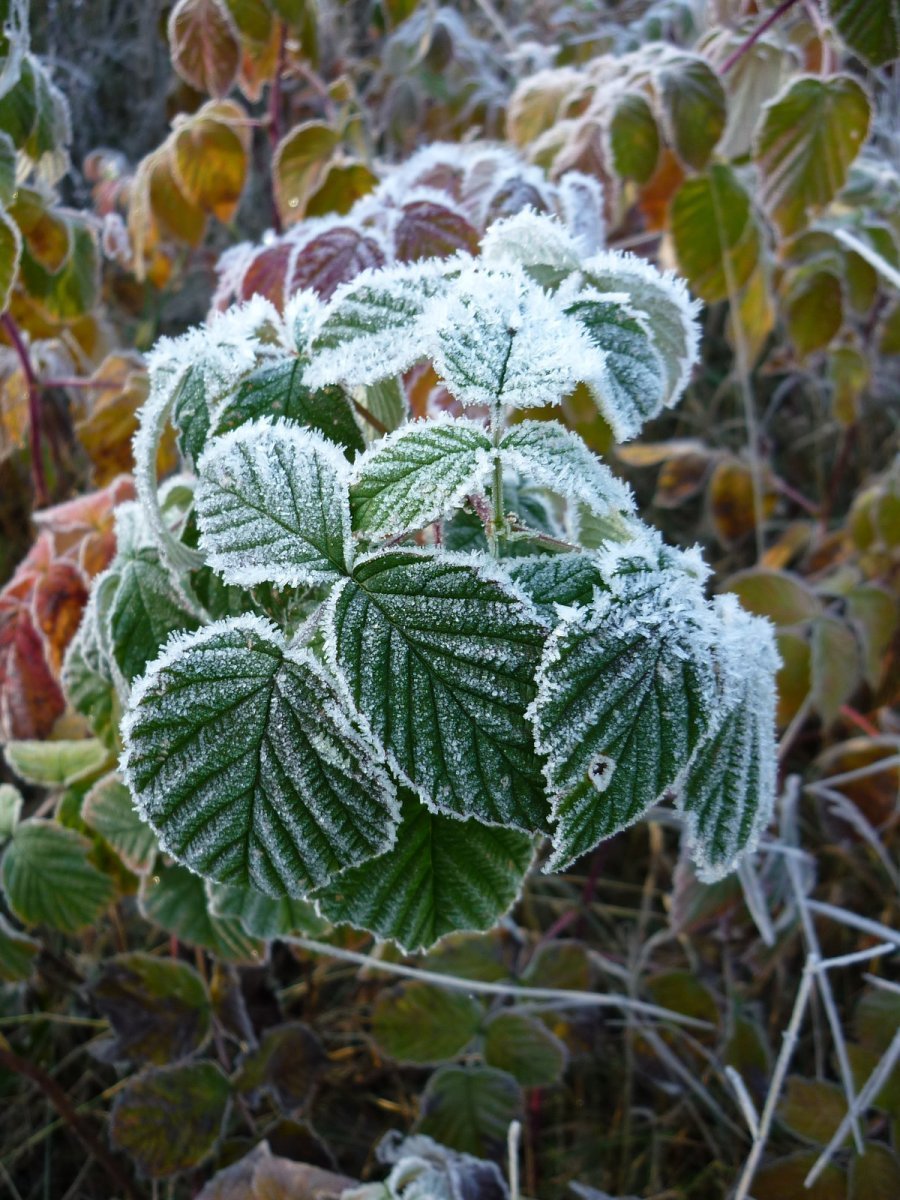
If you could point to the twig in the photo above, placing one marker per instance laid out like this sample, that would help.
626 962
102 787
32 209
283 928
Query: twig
65 1108
275 114
483 988
38 478
513 1138
755 36
863 924
378 426
781 1067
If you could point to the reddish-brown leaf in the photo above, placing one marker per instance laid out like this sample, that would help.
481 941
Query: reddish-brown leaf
30 698
57 604
333 258
206 50
82 529
266 274
428 230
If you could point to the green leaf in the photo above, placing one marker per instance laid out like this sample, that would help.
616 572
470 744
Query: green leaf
10 256
10 809
145 610
17 953
175 899
158 1008
109 809
814 308
56 764
812 1109
836 666
190 413
439 657
525 1048
262 916
624 695
728 787
666 312
279 391
374 327
443 875
634 138
876 1175
273 506
169 1119
422 1023
48 879
418 474
287 1062
695 106
808 136
239 753
470 1109
784 598
549 455
87 675
716 236
7 168
871 28
551 579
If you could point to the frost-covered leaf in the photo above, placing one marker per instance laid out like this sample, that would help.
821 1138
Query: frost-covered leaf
175 899
629 384
206 49
374 327
273 506
10 255
429 230
671 315
526 1048
168 1119
239 753
17 953
10 809
439 657
625 690
806 139
109 809
333 257
423 1023
146 608
539 243
471 1108
56 764
263 916
279 390
190 413
48 879
551 456
551 579
442 875
87 675
728 788
417 474
158 1008
500 340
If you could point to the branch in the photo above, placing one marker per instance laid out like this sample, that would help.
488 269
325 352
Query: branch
755 36
38 478
67 1111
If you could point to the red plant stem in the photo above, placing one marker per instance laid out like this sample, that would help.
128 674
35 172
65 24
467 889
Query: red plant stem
38 478
798 498
861 722
66 1110
755 36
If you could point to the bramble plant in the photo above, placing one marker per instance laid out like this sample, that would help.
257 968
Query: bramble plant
392 668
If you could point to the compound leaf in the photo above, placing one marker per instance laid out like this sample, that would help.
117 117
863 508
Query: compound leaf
442 875
240 755
439 657
624 695
273 507
417 474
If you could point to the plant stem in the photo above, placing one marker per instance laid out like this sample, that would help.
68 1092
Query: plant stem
754 37
65 1108
38 478
275 113
378 426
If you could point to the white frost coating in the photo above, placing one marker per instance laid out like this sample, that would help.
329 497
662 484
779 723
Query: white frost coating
553 457
727 790
418 473
664 297
500 340
302 314
272 505
375 326
580 204
530 239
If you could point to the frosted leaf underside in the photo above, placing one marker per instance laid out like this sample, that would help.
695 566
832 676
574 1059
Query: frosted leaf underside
239 754
624 693
728 789
442 876
273 506
440 659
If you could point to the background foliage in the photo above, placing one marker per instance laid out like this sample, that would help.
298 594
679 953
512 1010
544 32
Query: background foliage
157 160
